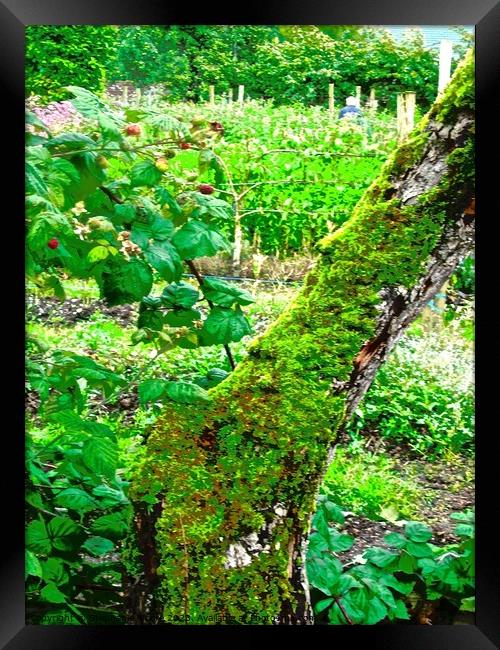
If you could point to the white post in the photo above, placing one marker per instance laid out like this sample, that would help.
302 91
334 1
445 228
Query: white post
125 95
331 101
138 96
230 96
211 95
358 96
241 94
445 54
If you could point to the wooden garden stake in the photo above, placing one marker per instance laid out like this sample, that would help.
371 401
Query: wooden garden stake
331 100
406 114
241 93
445 54
211 94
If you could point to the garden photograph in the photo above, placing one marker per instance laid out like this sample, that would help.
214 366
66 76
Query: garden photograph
249 325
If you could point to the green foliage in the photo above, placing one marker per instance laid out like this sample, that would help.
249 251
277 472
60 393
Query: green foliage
388 583
59 55
367 483
287 64
423 395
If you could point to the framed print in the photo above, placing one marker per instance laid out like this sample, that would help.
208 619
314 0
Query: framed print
250 312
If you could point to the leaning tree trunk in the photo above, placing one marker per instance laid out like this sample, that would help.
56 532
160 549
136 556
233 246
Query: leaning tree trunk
235 481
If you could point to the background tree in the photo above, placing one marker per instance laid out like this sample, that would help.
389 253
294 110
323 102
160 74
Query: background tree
223 494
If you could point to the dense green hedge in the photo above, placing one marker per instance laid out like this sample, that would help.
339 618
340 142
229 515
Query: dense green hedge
287 64
62 55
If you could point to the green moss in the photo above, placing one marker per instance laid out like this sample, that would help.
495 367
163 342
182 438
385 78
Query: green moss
264 437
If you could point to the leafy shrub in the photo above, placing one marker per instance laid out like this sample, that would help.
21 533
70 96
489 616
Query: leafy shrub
60 55
365 483
423 395
394 582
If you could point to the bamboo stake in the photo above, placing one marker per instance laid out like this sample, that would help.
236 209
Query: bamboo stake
405 114
331 97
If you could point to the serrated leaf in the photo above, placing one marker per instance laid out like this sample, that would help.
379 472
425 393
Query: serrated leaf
322 605
98 545
180 294
151 390
101 455
197 239
112 525
64 533
186 393
182 317
144 173
224 294
53 571
418 532
37 538
75 499
151 319
379 556
51 594
125 282
224 325
97 254
164 258
32 565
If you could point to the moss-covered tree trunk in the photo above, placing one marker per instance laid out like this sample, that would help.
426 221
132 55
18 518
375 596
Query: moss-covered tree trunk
235 481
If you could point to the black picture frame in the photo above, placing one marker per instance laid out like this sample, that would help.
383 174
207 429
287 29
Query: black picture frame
15 15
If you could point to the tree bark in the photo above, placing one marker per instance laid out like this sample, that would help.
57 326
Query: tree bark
237 479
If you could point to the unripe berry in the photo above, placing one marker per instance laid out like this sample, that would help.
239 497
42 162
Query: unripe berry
161 164
102 162
53 243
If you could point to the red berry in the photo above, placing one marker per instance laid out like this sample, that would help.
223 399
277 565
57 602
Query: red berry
53 243
217 127
185 145
133 129
206 189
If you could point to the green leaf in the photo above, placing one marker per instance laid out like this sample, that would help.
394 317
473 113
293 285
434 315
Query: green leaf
64 533
180 294
197 239
164 258
145 174
71 141
186 393
97 254
418 532
465 530
124 213
151 390
87 103
224 294
75 499
54 571
112 525
51 594
125 282
151 319
160 229
400 611
165 198
110 496
395 539
468 604
212 207
224 325
322 605
419 550
101 455
32 565
37 538
323 573
98 545
182 317
379 556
